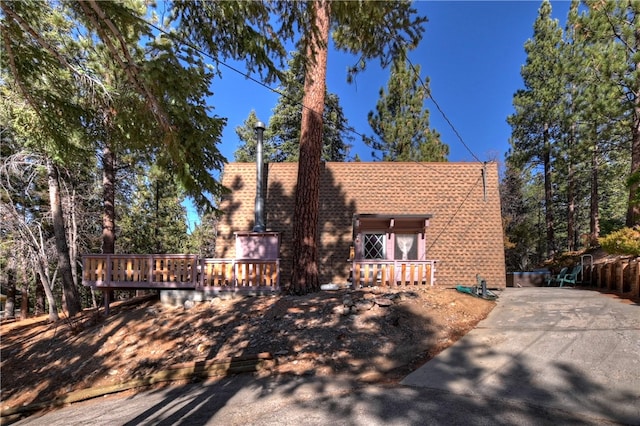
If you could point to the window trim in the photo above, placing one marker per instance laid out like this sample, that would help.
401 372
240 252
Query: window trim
381 238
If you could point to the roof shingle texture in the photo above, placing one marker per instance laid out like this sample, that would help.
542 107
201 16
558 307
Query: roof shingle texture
464 234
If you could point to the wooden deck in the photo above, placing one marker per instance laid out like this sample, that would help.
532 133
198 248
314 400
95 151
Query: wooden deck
178 271
188 271
393 272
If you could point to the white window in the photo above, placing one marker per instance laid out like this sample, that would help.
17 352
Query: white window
374 246
406 247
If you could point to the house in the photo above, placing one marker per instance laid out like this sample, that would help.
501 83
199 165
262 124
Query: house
445 215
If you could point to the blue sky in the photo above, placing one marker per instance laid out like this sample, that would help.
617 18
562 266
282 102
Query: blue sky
472 52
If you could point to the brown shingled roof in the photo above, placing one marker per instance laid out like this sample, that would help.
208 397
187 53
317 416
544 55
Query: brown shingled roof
464 233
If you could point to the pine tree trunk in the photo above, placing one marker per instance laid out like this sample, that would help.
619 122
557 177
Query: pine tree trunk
633 211
108 199
46 284
572 234
24 301
571 212
109 212
594 206
305 225
72 237
548 195
72 297
10 304
39 306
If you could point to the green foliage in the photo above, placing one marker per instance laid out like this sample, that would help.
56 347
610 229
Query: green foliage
611 29
281 138
402 122
91 82
634 182
202 241
536 123
521 196
246 152
153 219
536 107
572 121
241 30
382 30
624 241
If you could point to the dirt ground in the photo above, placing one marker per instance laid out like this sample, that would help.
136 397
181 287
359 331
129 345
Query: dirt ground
372 335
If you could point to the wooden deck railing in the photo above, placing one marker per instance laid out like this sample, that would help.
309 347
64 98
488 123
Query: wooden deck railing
240 273
393 272
178 271
621 276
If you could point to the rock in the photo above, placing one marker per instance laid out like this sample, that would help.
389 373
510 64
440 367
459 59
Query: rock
383 302
188 304
408 295
341 310
364 305
329 287
371 377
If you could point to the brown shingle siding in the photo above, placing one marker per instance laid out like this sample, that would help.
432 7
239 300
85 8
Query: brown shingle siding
464 234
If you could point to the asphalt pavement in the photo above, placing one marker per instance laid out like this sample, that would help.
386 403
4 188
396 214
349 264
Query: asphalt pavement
544 356
570 349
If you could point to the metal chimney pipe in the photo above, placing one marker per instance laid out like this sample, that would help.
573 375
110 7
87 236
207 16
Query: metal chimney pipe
259 213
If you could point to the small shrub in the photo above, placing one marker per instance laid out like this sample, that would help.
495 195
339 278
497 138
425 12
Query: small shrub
624 241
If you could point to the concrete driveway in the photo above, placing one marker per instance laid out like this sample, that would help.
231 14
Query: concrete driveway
569 349
544 356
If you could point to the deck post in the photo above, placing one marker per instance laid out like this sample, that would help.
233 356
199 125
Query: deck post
107 274
105 294
234 275
151 266
194 271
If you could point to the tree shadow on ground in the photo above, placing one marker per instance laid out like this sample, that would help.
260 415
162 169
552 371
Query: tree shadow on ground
319 334
43 360
335 217
510 391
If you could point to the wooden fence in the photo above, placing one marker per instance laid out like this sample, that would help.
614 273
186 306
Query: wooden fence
368 273
622 276
178 271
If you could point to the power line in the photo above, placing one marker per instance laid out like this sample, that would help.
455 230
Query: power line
428 91
446 226
236 70
349 129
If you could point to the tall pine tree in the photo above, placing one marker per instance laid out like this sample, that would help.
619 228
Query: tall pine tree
616 24
401 120
282 135
381 30
535 124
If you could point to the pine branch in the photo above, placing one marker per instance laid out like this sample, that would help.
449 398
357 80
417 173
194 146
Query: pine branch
81 75
127 64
